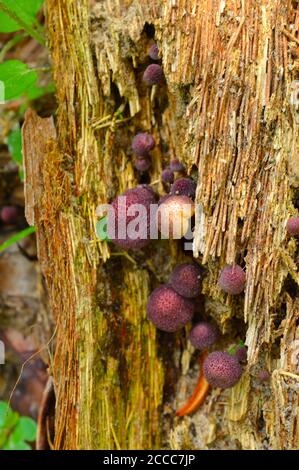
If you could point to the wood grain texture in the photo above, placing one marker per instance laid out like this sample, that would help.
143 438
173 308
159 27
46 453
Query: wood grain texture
227 112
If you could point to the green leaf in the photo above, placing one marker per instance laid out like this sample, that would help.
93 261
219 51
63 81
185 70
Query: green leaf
15 149
101 229
25 430
36 91
7 24
11 445
20 14
8 418
17 78
4 408
3 438
15 146
17 237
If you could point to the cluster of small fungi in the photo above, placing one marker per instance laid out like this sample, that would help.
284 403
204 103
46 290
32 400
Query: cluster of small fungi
171 306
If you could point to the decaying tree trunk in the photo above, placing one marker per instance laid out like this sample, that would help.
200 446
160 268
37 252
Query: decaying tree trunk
228 111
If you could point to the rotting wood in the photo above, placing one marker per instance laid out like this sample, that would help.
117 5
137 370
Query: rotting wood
229 68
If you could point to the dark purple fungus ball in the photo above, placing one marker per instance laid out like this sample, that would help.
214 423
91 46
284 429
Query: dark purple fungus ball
241 353
176 166
186 280
128 220
153 75
264 376
293 226
154 52
142 144
232 279
147 190
222 370
142 164
184 187
167 310
167 176
203 335
9 214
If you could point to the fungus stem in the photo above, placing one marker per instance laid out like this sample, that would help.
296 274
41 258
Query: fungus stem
199 393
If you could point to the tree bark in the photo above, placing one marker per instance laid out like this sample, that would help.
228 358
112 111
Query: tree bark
227 111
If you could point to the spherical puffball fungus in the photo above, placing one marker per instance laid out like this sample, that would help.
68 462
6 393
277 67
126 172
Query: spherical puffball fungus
203 335
142 164
232 279
241 353
186 280
142 144
176 166
120 219
167 176
221 369
168 310
9 214
184 187
293 226
173 216
264 376
147 190
153 75
154 52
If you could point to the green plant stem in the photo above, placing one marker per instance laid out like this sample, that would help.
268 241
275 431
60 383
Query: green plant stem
10 44
17 237
41 69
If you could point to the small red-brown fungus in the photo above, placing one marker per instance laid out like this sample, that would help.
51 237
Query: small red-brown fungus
168 310
232 279
167 176
142 164
241 353
154 52
264 376
142 144
184 187
222 370
203 335
186 280
125 209
173 216
293 226
153 75
176 166
9 214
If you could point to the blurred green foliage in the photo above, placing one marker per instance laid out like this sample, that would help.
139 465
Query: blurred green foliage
15 430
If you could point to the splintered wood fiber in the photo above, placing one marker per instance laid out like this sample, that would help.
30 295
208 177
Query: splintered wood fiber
227 111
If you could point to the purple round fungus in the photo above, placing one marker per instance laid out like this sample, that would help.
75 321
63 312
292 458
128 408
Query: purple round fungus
176 166
222 370
167 310
128 223
9 214
184 187
293 226
154 52
203 335
142 144
167 176
142 164
186 280
232 279
264 376
153 75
